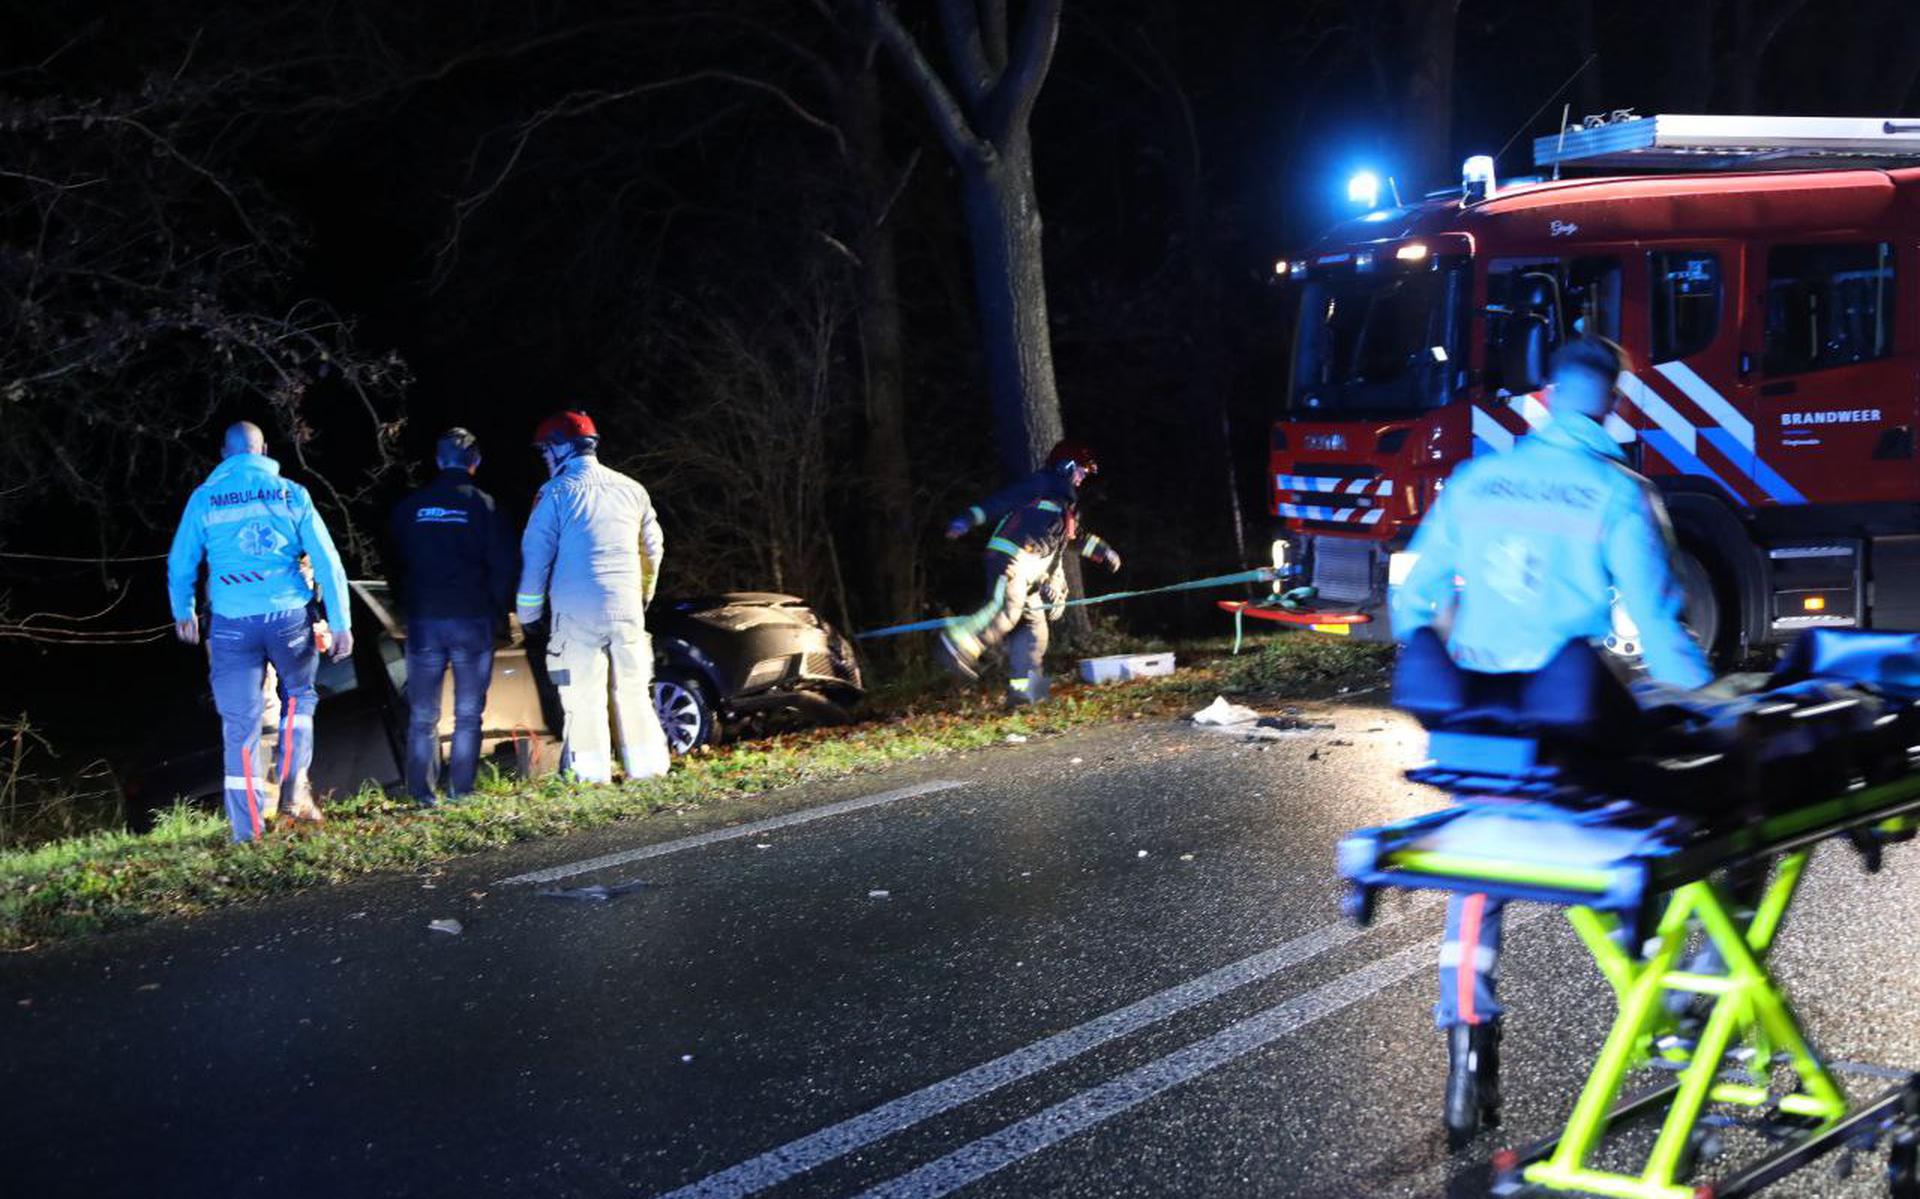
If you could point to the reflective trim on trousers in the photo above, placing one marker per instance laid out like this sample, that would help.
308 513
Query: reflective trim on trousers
1470 996
239 650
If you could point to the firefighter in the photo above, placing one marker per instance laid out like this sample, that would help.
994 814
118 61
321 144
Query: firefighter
1038 519
457 586
591 555
251 527
1522 552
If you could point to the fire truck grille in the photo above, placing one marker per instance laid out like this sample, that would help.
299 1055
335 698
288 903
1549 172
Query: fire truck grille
1343 569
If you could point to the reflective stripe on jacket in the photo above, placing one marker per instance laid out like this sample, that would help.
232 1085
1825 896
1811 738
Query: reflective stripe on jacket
1537 537
251 526
592 548
1038 515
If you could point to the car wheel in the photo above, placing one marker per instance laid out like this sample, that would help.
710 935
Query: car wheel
686 713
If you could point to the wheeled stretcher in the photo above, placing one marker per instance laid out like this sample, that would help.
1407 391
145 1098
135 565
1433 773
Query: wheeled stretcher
1630 813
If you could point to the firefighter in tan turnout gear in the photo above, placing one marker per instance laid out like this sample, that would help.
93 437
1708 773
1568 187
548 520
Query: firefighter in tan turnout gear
591 557
1039 518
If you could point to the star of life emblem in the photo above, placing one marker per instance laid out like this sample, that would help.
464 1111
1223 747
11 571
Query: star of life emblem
260 540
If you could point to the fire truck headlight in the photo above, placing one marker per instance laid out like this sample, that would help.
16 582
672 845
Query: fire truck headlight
1399 566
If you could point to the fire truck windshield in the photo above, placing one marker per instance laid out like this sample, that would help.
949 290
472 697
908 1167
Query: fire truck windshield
1379 344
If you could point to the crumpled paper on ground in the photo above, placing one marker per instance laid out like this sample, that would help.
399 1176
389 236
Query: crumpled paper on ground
1222 712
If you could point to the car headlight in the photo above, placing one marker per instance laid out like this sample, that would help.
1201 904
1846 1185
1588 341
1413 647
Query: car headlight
1399 566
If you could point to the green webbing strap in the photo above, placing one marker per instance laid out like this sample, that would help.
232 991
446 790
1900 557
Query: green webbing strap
1259 575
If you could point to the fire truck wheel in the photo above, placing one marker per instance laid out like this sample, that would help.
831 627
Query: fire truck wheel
1701 612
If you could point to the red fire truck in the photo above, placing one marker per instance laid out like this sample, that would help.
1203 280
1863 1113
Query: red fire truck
1768 298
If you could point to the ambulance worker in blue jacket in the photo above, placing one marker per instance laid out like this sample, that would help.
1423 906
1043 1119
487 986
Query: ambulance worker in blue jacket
1522 552
250 527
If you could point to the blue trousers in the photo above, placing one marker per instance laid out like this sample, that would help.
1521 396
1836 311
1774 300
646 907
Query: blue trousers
434 644
238 650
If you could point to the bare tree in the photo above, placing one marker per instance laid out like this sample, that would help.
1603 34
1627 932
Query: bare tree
146 293
982 118
743 465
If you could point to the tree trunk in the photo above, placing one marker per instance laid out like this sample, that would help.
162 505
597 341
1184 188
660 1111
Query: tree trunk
1426 111
1010 288
1689 58
1590 95
891 544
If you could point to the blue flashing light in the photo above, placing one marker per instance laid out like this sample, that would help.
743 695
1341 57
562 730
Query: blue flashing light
1364 189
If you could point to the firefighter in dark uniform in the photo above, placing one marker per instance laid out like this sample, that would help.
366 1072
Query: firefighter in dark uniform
1038 520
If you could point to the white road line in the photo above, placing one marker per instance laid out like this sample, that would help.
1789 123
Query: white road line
796 1157
734 833
995 1152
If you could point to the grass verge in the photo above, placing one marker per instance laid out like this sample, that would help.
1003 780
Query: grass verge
84 885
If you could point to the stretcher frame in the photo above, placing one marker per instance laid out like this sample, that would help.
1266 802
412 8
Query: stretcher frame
1620 908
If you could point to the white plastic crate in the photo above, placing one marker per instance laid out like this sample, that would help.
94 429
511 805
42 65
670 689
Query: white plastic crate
1117 668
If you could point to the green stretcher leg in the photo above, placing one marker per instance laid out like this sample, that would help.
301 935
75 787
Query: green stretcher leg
1748 1008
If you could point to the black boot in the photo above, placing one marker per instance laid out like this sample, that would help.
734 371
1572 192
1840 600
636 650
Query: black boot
1473 1081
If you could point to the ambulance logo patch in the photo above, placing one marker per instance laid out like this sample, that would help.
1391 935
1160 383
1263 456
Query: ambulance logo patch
260 540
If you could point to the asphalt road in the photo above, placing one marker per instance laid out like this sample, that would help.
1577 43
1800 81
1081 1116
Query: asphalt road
1104 965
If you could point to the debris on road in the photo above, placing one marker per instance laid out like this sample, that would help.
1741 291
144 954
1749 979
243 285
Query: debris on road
593 893
446 926
879 895
1141 854
1293 723
1220 712
1016 738
1186 857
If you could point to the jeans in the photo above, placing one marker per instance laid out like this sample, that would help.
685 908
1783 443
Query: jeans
580 654
433 644
238 651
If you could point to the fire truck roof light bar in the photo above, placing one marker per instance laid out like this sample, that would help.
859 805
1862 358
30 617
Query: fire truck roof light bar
1699 143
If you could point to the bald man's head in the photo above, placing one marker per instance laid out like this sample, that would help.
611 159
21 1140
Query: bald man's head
243 437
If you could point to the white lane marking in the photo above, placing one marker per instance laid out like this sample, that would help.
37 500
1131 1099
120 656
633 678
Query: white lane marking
734 833
1710 400
996 1151
796 1157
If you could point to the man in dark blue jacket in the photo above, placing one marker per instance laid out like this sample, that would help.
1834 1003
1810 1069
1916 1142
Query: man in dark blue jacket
458 569
1039 518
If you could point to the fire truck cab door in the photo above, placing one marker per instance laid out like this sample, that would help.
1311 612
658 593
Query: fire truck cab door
1693 404
1835 411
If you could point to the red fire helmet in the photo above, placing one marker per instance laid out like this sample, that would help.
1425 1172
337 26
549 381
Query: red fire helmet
1077 452
565 426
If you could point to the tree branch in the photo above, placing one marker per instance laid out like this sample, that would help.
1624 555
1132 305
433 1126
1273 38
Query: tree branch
582 103
1013 97
961 25
993 26
962 142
